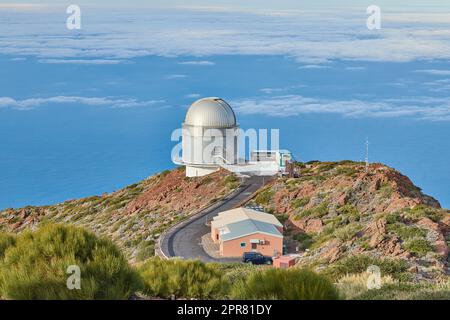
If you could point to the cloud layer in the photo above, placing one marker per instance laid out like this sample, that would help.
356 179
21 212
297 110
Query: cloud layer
427 108
31 103
311 36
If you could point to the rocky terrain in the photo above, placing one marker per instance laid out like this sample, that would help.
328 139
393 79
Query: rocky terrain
134 216
332 211
335 210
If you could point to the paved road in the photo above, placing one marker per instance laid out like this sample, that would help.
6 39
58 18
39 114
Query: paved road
185 239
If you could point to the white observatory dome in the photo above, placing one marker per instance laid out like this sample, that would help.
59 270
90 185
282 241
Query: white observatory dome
212 113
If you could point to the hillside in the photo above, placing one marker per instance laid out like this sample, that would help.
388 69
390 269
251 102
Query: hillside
134 216
336 210
333 211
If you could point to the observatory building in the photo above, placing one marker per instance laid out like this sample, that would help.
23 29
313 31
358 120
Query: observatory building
210 141
210 137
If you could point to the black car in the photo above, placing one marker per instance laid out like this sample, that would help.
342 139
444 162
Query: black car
256 258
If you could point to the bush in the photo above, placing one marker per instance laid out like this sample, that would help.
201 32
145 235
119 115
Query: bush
6 241
407 232
348 232
350 212
419 247
181 278
264 197
298 203
408 291
316 212
145 251
304 239
35 267
359 263
291 284
423 211
386 190
392 218
354 285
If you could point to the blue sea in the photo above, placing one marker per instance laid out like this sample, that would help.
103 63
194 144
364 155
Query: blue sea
52 150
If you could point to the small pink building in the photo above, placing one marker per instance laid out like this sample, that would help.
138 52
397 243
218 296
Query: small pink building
242 230
284 262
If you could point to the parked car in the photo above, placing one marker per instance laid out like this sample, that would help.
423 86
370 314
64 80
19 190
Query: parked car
256 258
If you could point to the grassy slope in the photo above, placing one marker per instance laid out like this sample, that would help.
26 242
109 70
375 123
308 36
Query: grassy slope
132 217
335 210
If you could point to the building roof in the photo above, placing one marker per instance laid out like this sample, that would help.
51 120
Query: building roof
239 214
272 151
210 112
246 227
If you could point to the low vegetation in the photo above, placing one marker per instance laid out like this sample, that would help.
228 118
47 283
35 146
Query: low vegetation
357 264
291 284
35 265
181 278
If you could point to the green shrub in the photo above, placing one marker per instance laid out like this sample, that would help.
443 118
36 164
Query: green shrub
207 180
349 212
347 232
298 203
6 241
408 291
182 278
290 284
348 209
407 232
326 166
386 190
282 218
304 239
392 218
35 267
316 212
164 173
346 171
231 182
359 263
264 197
423 211
419 247
146 250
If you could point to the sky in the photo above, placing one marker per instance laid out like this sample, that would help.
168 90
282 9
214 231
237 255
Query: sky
89 111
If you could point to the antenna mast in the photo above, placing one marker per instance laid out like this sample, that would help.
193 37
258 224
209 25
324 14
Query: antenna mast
367 155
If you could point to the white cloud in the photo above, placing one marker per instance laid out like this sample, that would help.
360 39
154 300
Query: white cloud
314 66
355 68
31 103
175 76
197 63
311 37
193 95
282 89
81 61
435 72
292 105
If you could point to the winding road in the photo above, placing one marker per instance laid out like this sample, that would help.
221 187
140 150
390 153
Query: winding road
184 240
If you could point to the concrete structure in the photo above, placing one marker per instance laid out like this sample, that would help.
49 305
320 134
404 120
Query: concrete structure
284 262
241 230
210 137
278 158
210 141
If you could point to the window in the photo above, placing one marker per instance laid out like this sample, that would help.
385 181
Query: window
243 244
